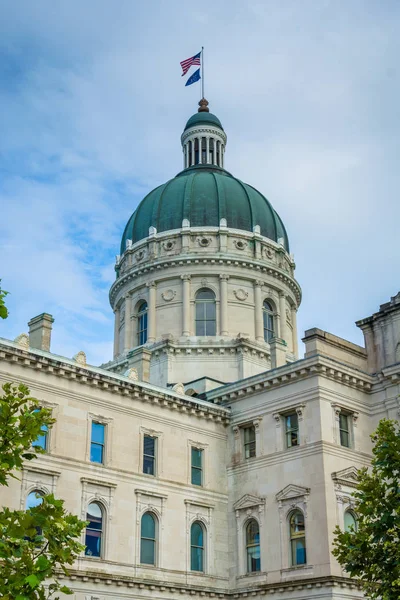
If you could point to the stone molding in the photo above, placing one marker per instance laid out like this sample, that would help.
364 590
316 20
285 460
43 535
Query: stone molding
113 383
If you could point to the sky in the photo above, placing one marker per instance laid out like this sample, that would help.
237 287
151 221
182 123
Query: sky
92 106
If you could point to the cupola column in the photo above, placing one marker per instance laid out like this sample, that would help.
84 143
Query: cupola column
282 310
128 323
185 304
192 147
223 279
116 331
294 331
152 312
208 149
258 316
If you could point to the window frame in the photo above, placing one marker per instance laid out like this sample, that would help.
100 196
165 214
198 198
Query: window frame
142 316
289 430
195 468
148 456
297 538
102 509
153 540
203 322
251 444
202 548
44 433
250 546
346 415
268 312
101 444
351 512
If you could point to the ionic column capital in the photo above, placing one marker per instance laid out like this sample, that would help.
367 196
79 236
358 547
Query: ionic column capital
258 283
151 284
224 277
186 277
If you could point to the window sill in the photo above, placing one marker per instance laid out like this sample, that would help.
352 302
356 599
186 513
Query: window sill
253 574
298 571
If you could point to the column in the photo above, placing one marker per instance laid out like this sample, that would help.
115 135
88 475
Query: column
222 155
151 318
116 331
223 284
208 149
258 316
294 331
128 323
186 156
192 161
282 310
185 304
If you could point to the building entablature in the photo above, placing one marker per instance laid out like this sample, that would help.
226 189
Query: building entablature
290 373
110 381
236 250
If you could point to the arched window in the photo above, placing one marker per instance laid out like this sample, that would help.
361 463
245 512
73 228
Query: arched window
253 546
34 499
197 547
297 538
268 319
148 539
94 530
350 521
142 324
206 321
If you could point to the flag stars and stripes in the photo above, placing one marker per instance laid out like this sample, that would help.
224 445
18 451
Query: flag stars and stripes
193 60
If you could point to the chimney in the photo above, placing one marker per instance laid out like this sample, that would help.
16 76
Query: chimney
40 331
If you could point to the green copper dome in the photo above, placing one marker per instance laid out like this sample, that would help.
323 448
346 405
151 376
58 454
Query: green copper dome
203 118
204 194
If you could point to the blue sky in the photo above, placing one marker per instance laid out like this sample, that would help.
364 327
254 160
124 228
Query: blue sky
92 106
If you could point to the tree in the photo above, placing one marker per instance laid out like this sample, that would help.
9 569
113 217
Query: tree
3 308
372 552
38 543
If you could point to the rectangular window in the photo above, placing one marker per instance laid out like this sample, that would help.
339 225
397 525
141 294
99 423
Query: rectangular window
249 437
149 455
97 442
292 430
197 466
344 430
41 440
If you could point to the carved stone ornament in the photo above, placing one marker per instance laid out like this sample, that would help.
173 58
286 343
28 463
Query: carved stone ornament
132 374
179 388
122 316
139 255
204 241
288 316
168 295
268 253
169 244
22 340
241 294
204 282
80 358
240 244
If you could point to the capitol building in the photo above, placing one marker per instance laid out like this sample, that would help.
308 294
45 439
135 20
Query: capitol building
210 459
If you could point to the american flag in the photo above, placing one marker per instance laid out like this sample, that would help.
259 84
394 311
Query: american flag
186 64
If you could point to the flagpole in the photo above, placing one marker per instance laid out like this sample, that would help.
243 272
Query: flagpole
202 71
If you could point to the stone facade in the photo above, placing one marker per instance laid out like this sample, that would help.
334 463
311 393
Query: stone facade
244 436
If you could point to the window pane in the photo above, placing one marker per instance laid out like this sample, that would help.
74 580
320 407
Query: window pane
205 295
147 552
253 559
149 445
197 457
93 543
210 328
196 535
94 516
250 450
148 529
292 421
252 533
210 310
148 465
196 559
349 521
344 439
200 311
41 441
343 422
196 476
297 524
299 552
34 499
96 453
249 434
98 432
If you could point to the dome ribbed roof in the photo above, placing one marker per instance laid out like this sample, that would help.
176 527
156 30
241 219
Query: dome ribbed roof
203 118
204 195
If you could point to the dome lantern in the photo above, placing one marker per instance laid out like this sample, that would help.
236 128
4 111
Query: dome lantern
203 139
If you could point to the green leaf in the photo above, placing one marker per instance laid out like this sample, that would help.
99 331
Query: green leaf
32 580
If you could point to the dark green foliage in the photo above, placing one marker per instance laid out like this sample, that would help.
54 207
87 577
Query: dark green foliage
3 308
372 553
37 543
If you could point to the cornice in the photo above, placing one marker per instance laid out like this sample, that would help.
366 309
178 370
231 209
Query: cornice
113 383
191 260
288 374
145 586
193 131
